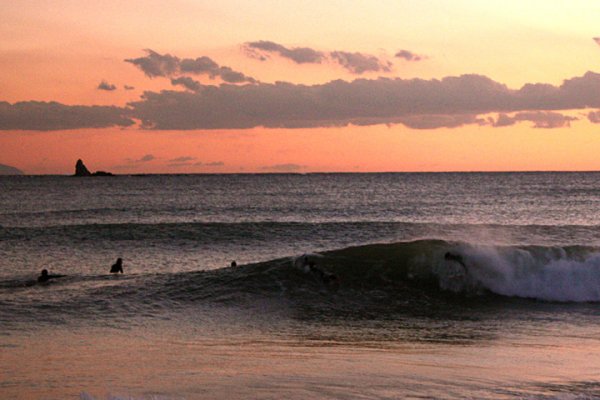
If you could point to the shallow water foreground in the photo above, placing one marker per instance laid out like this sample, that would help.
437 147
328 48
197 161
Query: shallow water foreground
174 359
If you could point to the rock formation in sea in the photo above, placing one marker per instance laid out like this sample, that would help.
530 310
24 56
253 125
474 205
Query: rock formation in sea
81 170
8 170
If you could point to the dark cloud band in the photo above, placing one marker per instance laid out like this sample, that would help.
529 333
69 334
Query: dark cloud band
47 116
417 103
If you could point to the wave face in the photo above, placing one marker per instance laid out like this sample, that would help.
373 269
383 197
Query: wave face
555 274
377 280
558 274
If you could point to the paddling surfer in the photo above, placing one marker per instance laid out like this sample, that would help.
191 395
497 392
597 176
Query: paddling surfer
117 267
327 278
45 276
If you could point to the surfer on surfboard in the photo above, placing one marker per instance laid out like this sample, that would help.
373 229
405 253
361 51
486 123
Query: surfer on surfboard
458 259
45 276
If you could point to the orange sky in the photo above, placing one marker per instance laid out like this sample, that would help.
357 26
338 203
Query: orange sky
61 50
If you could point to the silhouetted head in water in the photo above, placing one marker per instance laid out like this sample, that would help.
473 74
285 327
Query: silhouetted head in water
45 276
117 267
328 278
233 263
455 257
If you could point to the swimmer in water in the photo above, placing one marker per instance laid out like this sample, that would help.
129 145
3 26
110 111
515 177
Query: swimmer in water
117 267
233 263
458 258
327 278
45 276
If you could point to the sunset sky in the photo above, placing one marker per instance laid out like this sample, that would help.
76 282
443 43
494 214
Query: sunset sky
190 86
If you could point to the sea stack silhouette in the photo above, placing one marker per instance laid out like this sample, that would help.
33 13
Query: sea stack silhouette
81 170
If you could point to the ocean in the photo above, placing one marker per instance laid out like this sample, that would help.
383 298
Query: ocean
346 286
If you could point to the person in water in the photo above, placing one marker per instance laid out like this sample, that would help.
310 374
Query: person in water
455 257
233 264
328 278
45 276
117 267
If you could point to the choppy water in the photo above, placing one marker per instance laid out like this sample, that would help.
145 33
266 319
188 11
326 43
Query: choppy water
516 317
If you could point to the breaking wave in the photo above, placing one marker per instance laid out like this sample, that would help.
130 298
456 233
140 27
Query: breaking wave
379 279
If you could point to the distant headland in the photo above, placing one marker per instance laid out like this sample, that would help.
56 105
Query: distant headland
81 170
8 170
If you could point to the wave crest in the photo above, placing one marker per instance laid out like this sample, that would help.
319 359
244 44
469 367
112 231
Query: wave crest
549 273
563 274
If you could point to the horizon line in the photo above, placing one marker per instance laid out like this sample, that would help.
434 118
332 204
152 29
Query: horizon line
319 173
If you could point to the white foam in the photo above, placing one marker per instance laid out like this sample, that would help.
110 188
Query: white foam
546 274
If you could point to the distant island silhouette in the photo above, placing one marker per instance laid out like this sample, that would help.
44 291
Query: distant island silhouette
81 170
8 170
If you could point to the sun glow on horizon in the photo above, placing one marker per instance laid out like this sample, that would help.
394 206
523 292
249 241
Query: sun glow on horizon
241 87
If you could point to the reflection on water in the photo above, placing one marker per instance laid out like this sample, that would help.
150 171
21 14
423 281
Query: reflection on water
298 360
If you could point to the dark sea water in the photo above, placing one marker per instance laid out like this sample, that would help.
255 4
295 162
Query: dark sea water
513 313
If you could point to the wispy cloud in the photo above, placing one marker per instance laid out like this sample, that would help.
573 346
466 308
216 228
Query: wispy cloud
540 119
182 162
358 63
409 55
182 159
284 168
144 159
154 64
167 65
435 121
300 55
187 83
594 116
106 86
354 62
